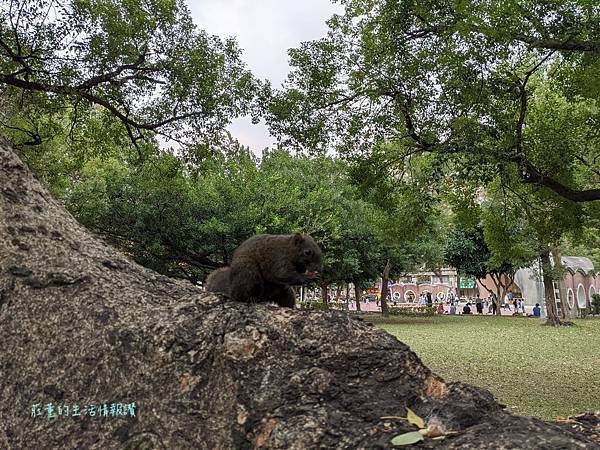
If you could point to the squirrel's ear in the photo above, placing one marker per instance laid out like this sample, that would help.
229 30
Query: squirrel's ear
298 238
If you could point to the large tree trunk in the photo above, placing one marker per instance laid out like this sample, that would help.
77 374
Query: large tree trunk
80 323
384 287
357 293
551 312
324 294
565 312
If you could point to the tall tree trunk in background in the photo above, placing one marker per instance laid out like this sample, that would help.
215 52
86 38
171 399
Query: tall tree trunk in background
384 287
324 294
357 290
502 287
499 292
347 296
551 312
565 312
479 280
338 292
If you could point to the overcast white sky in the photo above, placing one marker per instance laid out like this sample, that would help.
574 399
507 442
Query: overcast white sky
265 30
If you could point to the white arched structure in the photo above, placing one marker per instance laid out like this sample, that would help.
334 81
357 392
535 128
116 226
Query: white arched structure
581 303
407 297
592 291
570 298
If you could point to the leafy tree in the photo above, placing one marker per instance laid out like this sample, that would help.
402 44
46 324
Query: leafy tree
184 219
456 79
60 160
469 253
586 243
501 95
152 212
408 223
528 226
179 219
144 62
363 248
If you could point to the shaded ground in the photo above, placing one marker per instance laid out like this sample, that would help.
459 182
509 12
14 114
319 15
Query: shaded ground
533 369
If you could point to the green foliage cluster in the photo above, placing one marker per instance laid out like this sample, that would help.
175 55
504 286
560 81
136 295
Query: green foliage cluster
585 242
312 305
143 62
467 252
186 217
488 88
490 106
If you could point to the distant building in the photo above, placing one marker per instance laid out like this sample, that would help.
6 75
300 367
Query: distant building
440 284
581 281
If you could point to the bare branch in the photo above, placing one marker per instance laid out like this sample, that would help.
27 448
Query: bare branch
106 77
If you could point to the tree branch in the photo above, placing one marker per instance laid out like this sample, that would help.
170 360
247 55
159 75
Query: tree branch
110 76
568 45
533 175
484 286
530 173
124 117
410 127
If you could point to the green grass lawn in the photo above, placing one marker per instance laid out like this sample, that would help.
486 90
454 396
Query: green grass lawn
533 369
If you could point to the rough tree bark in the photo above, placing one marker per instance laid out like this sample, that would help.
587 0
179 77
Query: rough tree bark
551 310
81 323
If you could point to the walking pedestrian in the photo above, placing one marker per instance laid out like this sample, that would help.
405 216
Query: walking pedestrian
478 305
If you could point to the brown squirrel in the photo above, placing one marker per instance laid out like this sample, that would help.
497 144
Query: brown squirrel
265 266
